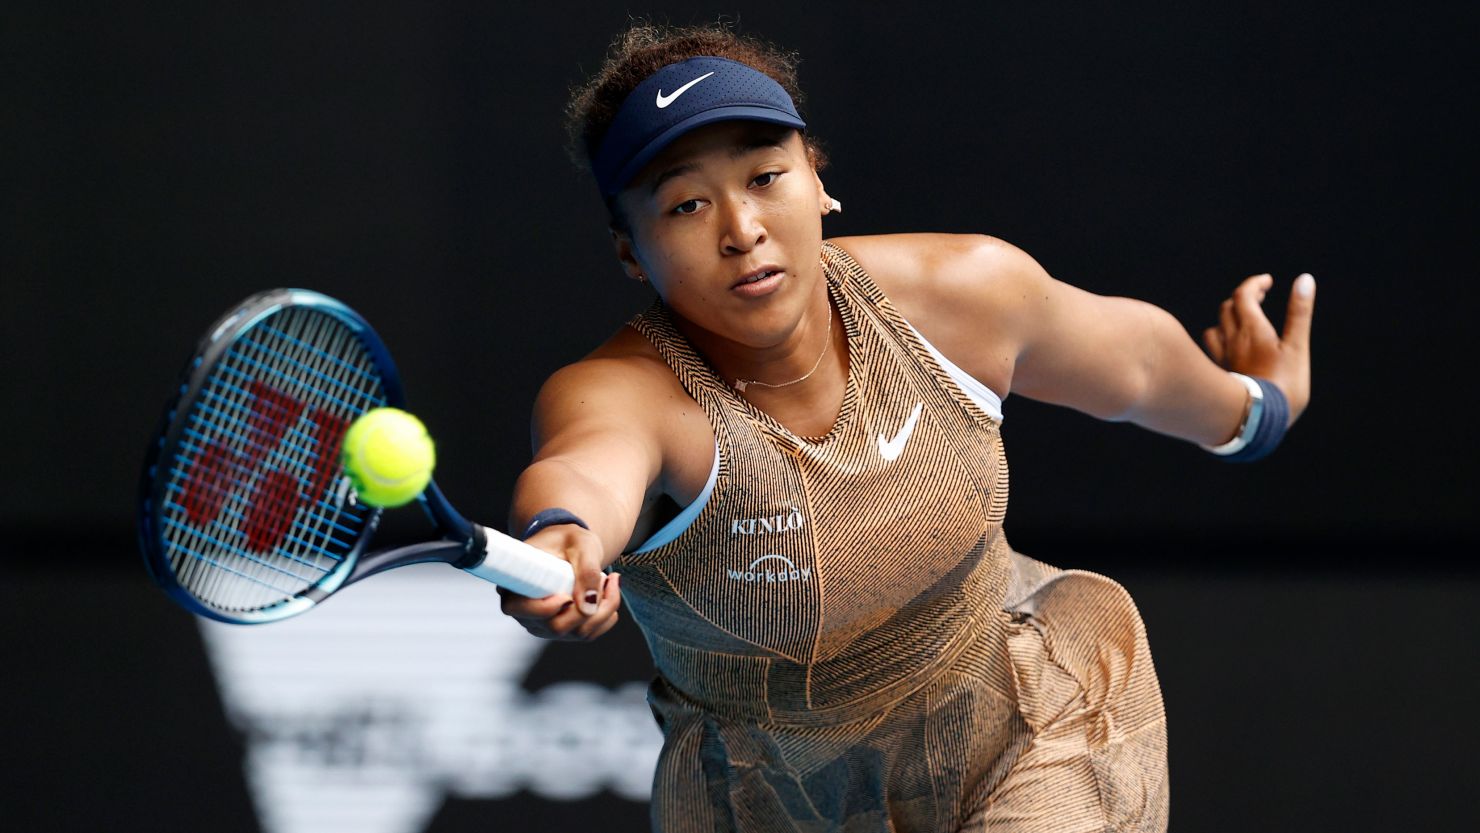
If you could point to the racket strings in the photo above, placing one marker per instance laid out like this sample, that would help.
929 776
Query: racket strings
221 546
275 498
252 516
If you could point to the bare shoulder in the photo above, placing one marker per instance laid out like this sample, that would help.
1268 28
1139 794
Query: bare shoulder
972 296
625 392
618 382
928 275
626 357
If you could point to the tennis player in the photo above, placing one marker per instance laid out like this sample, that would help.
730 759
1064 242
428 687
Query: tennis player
791 468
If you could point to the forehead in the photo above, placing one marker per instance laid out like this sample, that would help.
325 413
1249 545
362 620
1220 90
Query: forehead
722 140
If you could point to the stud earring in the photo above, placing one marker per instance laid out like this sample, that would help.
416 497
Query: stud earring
833 206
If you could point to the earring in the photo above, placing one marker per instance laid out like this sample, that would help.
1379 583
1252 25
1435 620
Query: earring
833 206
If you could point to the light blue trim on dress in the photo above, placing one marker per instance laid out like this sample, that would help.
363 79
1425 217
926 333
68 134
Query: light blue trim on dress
977 392
681 521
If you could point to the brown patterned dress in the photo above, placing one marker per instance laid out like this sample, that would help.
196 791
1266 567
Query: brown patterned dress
845 641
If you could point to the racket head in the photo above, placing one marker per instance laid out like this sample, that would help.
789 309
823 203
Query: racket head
245 515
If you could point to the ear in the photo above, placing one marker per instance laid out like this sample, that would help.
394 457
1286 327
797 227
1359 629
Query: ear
626 254
825 204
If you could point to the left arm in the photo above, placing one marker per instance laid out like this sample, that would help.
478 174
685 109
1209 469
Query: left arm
1002 318
1127 360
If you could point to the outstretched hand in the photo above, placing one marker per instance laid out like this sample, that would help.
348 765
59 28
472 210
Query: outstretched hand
586 613
1245 341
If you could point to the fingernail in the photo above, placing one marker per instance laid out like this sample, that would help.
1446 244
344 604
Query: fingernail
1305 285
588 602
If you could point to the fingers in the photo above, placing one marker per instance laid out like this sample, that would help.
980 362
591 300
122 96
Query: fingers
1242 325
1227 321
1300 311
605 615
1213 340
582 549
590 581
589 610
568 622
525 608
1245 341
1248 300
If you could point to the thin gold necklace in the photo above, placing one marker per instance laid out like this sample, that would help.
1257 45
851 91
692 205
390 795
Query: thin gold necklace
742 384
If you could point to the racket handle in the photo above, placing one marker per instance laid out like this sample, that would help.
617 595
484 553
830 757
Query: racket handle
521 568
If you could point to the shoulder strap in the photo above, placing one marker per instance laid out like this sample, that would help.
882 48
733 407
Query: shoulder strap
656 325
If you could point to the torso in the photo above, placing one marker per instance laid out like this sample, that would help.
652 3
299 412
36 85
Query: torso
828 571
918 272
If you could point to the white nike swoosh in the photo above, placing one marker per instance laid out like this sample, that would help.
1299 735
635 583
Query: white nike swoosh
665 100
891 449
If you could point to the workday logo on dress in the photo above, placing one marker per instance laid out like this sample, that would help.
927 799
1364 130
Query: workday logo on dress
771 569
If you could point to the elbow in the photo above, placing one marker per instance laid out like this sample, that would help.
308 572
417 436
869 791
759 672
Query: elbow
1128 407
1145 367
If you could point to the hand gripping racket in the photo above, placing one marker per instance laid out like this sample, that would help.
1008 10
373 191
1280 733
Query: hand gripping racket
246 515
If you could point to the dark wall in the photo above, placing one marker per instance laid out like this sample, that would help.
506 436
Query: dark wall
161 163
164 163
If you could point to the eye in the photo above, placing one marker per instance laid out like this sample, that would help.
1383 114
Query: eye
687 207
765 179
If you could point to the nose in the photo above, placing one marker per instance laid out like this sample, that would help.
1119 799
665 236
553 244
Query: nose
743 228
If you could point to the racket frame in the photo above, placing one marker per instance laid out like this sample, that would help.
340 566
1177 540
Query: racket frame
463 547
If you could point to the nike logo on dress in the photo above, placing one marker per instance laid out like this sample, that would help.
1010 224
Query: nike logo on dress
665 100
891 449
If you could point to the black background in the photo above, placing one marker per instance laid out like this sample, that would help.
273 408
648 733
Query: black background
1312 615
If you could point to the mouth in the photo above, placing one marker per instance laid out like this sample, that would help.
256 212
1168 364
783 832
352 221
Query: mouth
761 274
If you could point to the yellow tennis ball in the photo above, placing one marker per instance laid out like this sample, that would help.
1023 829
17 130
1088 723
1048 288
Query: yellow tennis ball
388 457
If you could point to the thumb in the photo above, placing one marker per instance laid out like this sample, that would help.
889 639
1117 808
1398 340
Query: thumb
590 581
582 550
1300 311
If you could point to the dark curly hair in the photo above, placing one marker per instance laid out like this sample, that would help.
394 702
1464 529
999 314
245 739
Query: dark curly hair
647 47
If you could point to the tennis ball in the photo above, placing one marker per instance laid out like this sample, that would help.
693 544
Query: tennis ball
388 456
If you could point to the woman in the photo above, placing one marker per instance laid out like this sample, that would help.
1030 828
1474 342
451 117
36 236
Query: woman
843 638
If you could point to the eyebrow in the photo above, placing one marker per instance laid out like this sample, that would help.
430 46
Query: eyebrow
677 170
737 150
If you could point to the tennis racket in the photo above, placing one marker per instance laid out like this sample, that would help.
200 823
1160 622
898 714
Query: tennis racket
245 513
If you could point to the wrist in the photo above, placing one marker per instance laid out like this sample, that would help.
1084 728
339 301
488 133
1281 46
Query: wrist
546 518
1248 422
1266 416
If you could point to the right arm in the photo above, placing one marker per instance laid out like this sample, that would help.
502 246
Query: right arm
599 454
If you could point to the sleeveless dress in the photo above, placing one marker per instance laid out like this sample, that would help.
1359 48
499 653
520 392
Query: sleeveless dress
844 640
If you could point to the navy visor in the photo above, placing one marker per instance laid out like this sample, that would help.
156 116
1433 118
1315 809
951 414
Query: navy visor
677 99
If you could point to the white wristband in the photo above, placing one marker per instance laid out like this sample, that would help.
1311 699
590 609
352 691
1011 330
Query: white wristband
1251 422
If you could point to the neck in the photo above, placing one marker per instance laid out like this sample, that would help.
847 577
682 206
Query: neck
804 358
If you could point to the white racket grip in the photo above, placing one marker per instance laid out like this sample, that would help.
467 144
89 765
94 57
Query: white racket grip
526 570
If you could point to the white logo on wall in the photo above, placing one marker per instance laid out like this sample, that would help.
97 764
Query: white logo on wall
366 713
